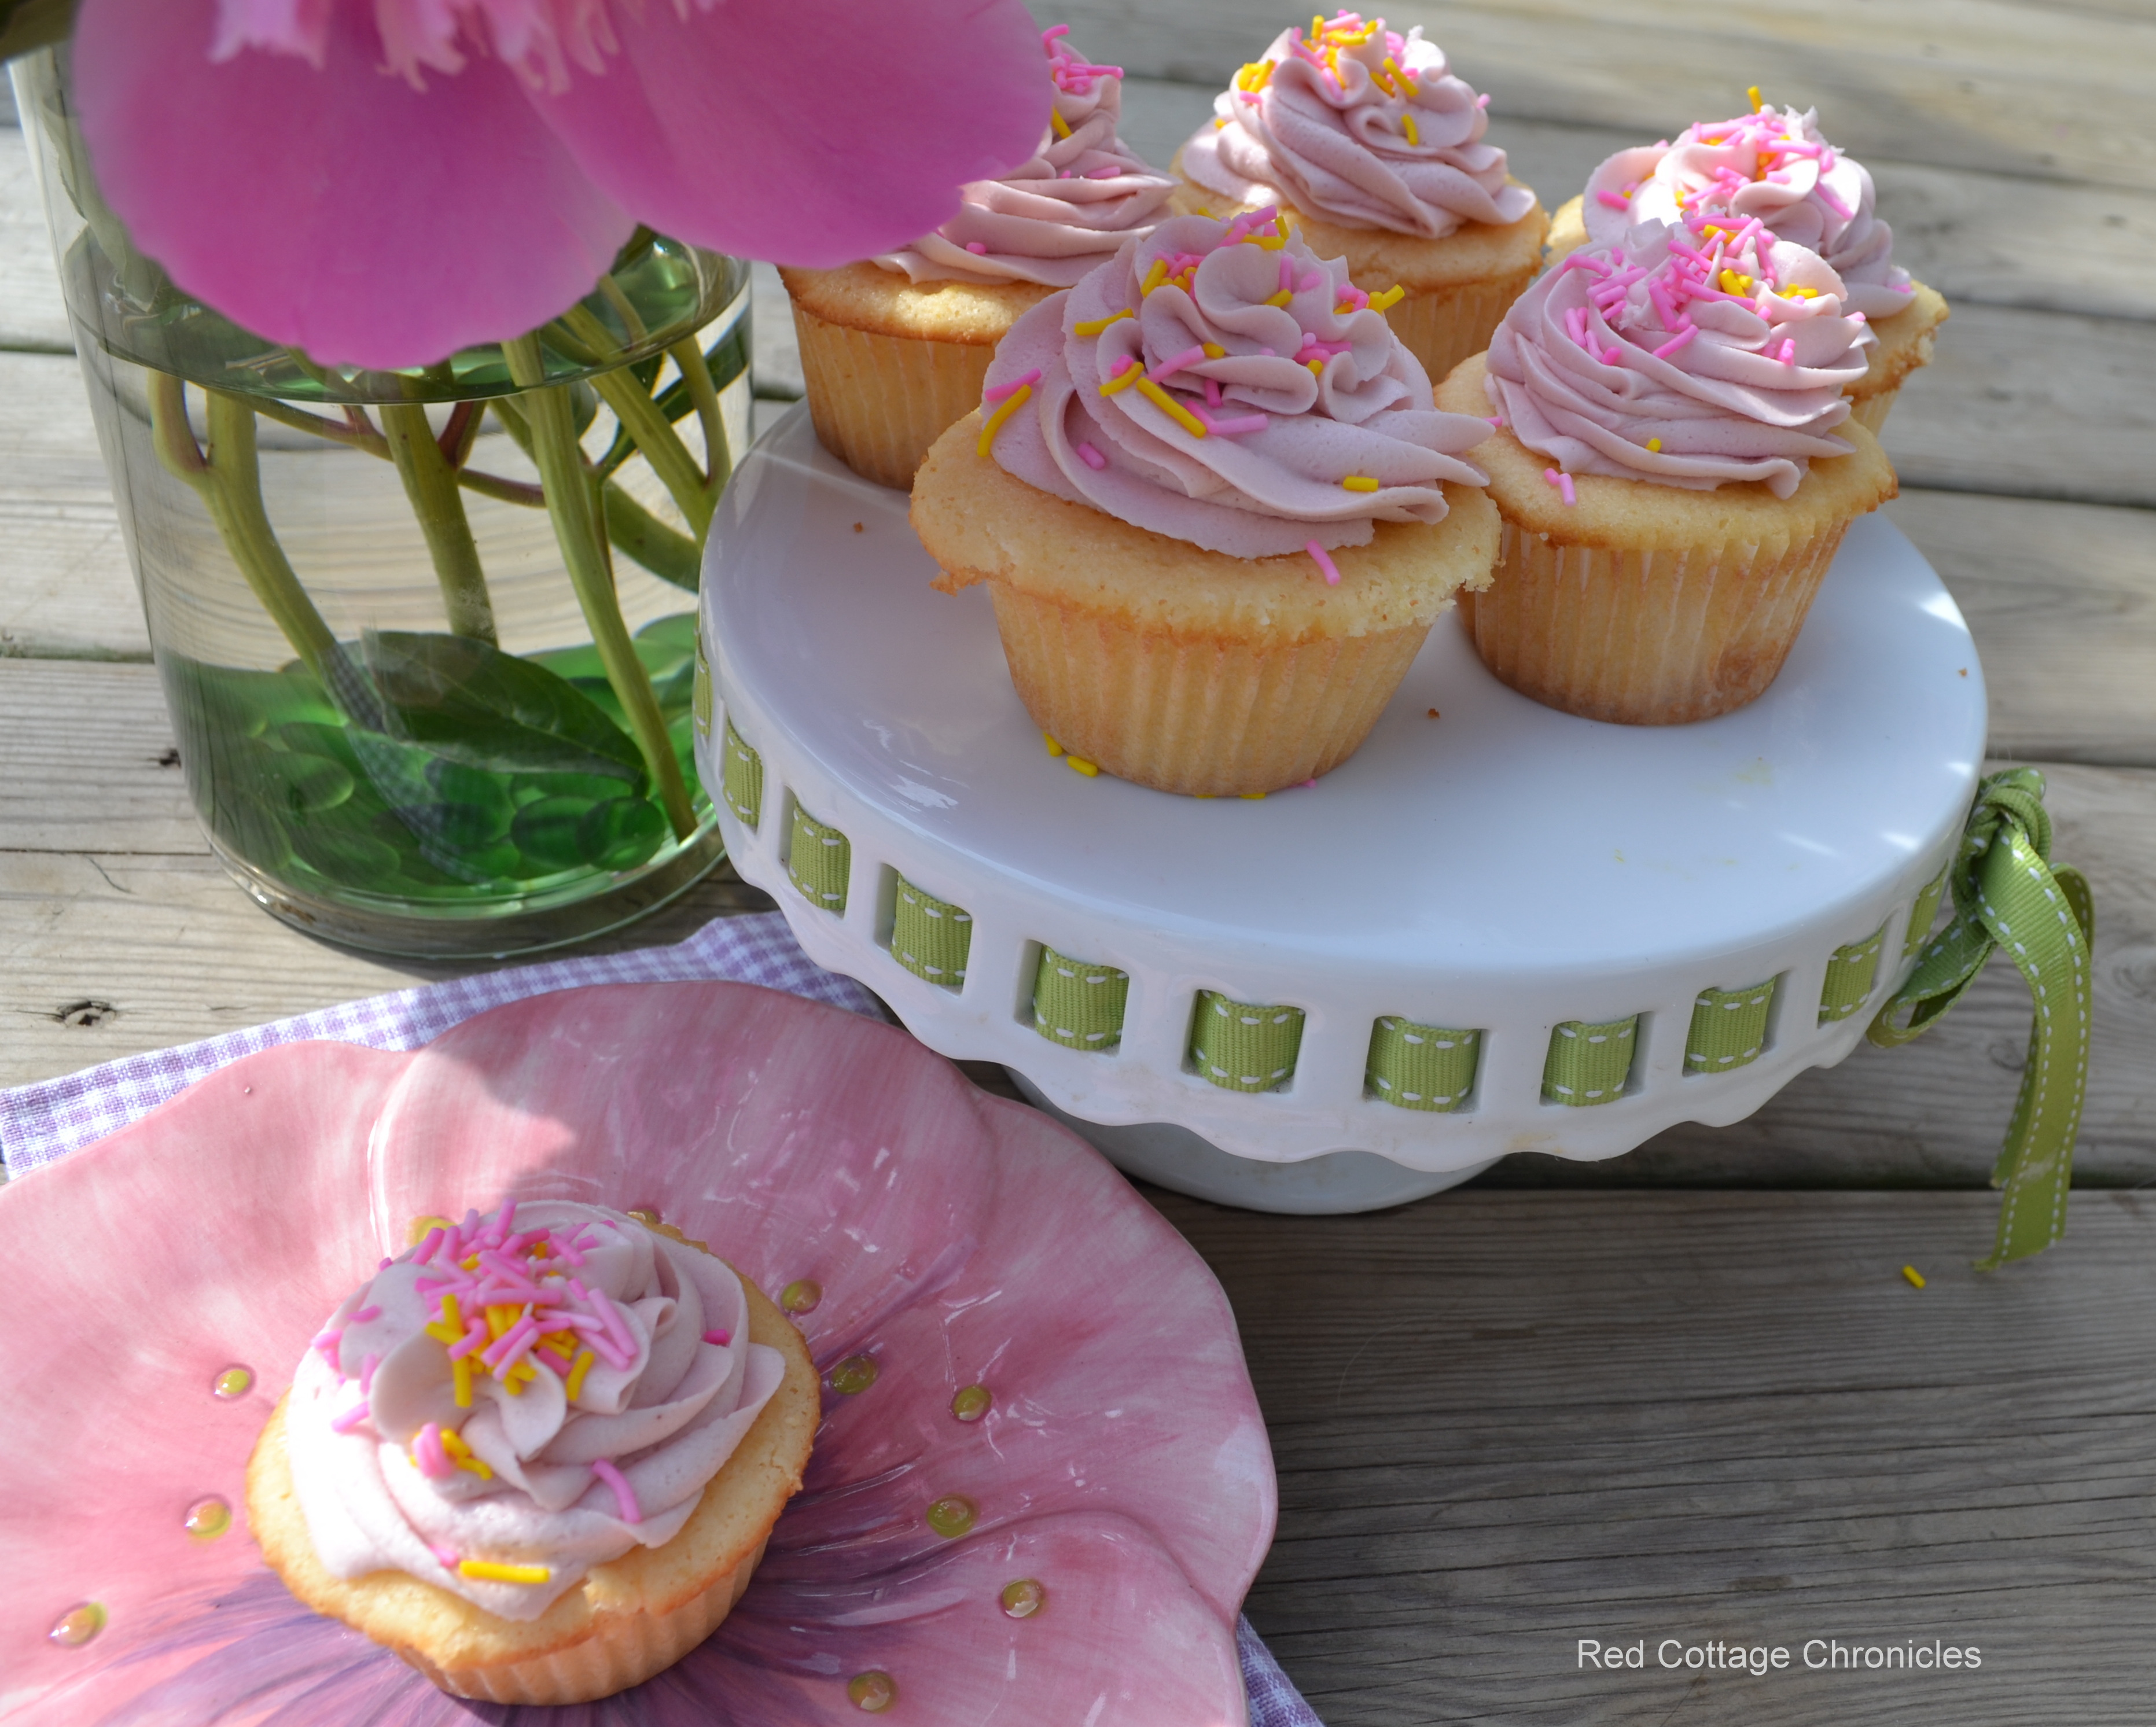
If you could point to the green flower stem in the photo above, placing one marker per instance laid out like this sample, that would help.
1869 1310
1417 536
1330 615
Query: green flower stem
573 502
696 374
640 417
431 485
472 479
625 310
671 555
302 421
228 480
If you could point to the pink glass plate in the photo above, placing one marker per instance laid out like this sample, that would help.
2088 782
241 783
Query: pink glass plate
933 1238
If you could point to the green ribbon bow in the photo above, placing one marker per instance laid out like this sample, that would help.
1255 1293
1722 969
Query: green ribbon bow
2007 894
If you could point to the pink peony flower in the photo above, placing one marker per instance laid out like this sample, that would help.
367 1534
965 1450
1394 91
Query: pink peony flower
381 184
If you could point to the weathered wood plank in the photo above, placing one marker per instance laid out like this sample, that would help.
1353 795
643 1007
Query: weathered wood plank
2052 94
1506 1422
31 313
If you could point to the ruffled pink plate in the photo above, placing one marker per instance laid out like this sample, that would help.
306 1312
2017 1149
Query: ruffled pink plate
957 1240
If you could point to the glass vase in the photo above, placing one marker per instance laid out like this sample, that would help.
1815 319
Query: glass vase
427 636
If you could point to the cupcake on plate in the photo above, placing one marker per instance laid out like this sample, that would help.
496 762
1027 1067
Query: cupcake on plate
1215 507
1773 165
1676 467
537 1455
893 349
1376 153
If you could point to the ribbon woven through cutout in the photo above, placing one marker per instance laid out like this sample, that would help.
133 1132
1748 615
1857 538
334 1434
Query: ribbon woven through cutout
741 777
1851 972
1729 1028
2008 894
1422 1067
1242 1047
1078 1004
1588 1063
930 937
818 861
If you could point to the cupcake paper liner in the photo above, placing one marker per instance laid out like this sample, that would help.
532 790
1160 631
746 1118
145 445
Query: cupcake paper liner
878 402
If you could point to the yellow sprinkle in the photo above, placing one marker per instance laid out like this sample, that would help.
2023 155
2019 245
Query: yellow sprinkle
420 1225
1153 277
1390 298
460 1372
1408 126
1359 483
1282 298
485 1571
1219 125
1062 125
1168 405
450 1326
1094 326
1214 350
1250 797
501 1316
1753 93
1734 283
1079 765
1316 367
1122 381
1914 1276
1054 748
1004 409
576 1382
1654 444
1399 74
453 1443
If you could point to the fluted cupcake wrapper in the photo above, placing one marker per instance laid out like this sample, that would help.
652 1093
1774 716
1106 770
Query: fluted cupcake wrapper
1659 637
1199 715
878 402
1442 326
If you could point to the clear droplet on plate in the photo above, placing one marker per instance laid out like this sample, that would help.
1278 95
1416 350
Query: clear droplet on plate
1024 1598
800 1295
232 1382
972 1402
872 1692
78 1625
953 1515
207 1518
853 1375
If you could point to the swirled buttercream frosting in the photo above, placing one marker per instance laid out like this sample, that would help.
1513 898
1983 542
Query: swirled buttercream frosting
1079 196
1690 353
1361 126
1219 383
1773 165
520 1397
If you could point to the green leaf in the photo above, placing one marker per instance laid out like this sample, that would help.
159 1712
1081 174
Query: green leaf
476 705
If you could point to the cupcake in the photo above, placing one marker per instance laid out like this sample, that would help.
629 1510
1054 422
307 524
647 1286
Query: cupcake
1676 467
1773 165
538 1455
1215 507
1375 152
893 349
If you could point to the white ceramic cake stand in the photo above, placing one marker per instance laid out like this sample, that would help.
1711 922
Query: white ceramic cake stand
1503 868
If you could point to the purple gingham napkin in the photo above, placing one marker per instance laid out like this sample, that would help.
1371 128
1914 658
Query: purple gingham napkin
44 1122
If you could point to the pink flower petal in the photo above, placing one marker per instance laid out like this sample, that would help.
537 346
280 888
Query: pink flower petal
341 211
806 132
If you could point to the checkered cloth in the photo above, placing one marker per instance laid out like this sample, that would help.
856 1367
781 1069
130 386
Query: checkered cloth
41 1123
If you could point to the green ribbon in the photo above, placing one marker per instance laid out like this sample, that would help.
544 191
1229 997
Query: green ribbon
1240 1046
2008 894
930 937
1078 1004
1852 971
1588 1064
740 776
1924 911
1422 1067
1729 1028
819 862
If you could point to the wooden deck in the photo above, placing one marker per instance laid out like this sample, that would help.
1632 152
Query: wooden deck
1706 1406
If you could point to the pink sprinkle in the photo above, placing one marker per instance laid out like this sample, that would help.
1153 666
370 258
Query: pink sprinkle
1287 275
1012 388
1612 200
1048 35
624 1496
719 1335
1091 457
1212 391
428 1453
1789 352
1109 173
1610 357
1825 196
366 1375
977 248
1496 420
1309 786
385 1265
1123 363
476 1336
1676 341
518 1337
350 1419
1326 564
1316 279
1237 428
1856 317
327 1344
364 1315
449 1557
505 1221
433 1239
1562 482
1175 363
1482 101
1583 259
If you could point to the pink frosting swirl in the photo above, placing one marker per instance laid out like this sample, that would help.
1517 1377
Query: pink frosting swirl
1219 384
1359 126
1069 207
1686 354
1773 165
554 1483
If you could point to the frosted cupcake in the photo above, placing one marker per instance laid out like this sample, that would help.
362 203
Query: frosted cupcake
1773 165
1675 469
1376 152
893 349
1215 507
539 1454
